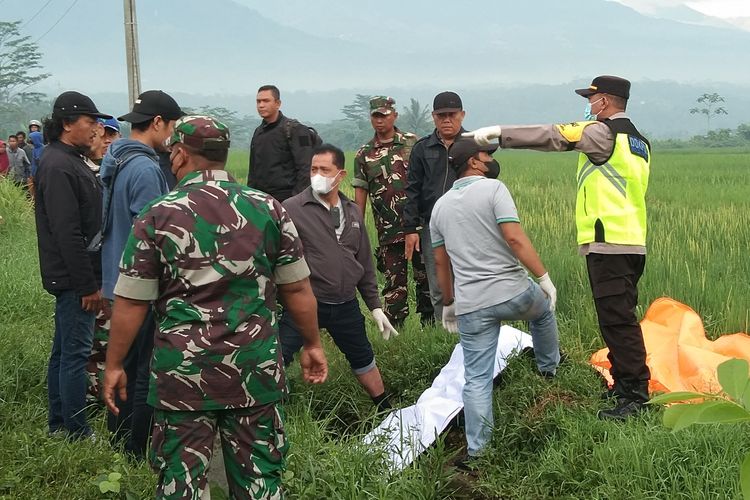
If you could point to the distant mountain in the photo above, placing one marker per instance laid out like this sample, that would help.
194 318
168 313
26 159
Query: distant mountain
683 14
226 46
512 61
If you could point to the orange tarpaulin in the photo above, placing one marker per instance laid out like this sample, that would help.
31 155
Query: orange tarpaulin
678 353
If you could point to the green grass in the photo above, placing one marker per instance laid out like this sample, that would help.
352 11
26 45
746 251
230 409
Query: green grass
548 442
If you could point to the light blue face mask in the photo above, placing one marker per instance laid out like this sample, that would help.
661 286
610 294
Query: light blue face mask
587 114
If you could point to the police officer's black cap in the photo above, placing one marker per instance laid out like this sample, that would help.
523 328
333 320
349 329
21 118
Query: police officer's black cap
606 84
73 103
465 148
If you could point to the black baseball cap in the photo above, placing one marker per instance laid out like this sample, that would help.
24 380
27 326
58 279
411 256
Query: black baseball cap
464 148
153 103
606 84
72 103
447 102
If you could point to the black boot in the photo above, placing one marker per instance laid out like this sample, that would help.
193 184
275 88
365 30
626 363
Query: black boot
624 409
631 399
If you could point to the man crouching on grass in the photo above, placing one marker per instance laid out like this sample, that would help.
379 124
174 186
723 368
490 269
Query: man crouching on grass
211 255
476 231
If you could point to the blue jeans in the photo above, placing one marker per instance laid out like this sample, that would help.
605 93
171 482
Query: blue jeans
478 332
66 373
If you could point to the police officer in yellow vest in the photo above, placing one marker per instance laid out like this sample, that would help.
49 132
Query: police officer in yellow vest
612 178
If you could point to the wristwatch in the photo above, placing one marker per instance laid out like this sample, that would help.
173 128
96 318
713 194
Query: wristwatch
449 302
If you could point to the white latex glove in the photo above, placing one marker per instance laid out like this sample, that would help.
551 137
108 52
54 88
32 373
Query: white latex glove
545 283
450 322
483 136
385 326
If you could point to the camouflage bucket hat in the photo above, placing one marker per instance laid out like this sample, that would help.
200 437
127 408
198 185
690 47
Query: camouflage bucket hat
382 104
200 132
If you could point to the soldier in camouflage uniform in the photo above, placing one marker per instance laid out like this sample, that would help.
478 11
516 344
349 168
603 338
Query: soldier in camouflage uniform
211 255
380 171
95 364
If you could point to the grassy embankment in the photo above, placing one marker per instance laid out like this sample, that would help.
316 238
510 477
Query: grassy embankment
549 443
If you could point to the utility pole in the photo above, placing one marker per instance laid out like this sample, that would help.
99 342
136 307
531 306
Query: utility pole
131 52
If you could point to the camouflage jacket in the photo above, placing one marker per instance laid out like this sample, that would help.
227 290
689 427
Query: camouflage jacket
380 168
210 254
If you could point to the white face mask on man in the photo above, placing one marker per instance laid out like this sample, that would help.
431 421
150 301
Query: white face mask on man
322 184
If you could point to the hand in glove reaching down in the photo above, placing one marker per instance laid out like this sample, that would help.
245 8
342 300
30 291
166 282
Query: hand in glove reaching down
545 283
384 325
450 322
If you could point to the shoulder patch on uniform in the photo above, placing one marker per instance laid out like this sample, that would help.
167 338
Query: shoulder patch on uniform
572 132
304 141
638 147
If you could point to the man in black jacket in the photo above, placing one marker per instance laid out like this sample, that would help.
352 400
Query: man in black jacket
428 178
280 150
68 218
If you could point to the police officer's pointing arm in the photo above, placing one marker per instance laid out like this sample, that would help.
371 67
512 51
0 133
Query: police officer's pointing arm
594 139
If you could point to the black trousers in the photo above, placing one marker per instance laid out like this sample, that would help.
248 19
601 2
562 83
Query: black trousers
346 326
614 285
133 425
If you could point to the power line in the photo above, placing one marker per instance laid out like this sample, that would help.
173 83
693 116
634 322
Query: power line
58 21
34 16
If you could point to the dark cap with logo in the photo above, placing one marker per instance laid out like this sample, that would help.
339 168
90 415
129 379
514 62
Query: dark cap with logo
203 133
447 102
73 103
382 104
150 104
606 84
464 148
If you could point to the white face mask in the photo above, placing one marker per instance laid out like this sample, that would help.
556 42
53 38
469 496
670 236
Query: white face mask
322 184
587 114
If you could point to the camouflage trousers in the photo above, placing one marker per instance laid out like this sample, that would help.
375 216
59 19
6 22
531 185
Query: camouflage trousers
394 266
95 364
253 445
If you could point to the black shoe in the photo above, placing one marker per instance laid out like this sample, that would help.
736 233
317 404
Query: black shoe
624 409
467 465
547 375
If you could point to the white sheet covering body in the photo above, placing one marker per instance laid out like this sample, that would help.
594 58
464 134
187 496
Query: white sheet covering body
407 432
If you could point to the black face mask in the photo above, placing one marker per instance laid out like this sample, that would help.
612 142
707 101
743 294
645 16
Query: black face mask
493 169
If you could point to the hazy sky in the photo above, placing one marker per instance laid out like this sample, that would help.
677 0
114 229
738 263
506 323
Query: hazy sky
716 8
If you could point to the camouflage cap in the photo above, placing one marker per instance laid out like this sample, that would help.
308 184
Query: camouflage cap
382 104
200 132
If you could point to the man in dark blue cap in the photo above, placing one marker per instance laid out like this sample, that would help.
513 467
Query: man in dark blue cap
613 171
488 280
68 218
132 178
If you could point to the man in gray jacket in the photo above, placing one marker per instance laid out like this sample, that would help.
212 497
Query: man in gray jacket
337 250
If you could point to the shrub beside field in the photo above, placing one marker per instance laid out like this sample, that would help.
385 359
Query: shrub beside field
548 442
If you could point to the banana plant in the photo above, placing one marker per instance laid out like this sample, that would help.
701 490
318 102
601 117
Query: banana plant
731 405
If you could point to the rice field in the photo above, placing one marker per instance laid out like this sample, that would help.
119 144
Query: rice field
548 442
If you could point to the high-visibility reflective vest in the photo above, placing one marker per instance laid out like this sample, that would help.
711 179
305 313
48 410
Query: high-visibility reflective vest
611 204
